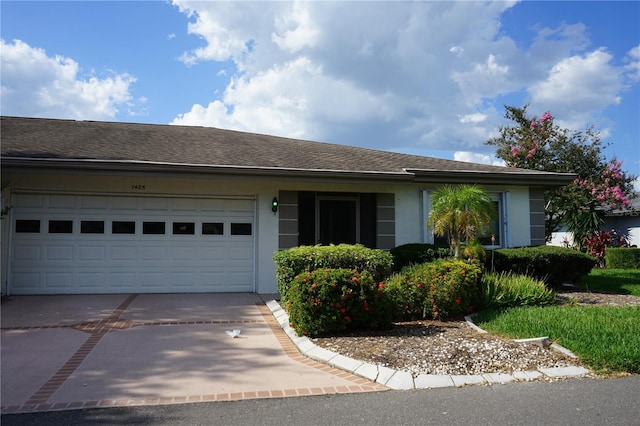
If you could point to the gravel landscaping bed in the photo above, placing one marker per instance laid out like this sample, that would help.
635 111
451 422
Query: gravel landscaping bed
456 348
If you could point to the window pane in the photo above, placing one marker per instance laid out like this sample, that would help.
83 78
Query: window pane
123 227
216 228
60 226
32 226
92 227
153 228
240 229
184 228
485 237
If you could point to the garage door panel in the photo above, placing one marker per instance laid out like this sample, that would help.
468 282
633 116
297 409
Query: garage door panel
93 202
59 253
92 253
28 201
124 253
26 280
62 202
58 280
158 204
27 253
124 203
153 253
122 259
91 280
156 280
120 282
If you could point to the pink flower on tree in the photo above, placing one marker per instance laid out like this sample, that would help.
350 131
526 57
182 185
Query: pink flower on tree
546 116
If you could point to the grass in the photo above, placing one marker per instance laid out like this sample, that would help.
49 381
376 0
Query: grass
606 338
622 281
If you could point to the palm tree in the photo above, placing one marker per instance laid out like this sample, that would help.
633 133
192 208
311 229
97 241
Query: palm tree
459 212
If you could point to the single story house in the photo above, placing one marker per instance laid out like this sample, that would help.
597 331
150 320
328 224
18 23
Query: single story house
624 221
99 207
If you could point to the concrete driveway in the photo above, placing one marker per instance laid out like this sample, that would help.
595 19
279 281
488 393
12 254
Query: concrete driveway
66 352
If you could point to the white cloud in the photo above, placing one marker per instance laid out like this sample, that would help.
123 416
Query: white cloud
580 83
636 184
295 30
633 67
425 75
474 157
290 100
473 118
34 84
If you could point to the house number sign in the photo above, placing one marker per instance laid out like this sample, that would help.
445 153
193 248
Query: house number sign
137 187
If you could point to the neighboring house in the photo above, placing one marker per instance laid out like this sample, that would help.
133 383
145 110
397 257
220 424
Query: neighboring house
625 221
135 208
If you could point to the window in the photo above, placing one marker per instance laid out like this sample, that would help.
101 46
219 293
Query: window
213 228
123 227
30 226
498 223
155 228
92 227
485 237
184 228
240 229
60 226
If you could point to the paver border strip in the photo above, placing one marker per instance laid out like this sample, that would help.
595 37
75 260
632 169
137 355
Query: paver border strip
38 402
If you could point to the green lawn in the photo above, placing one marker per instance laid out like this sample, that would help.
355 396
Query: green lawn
606 338
623 281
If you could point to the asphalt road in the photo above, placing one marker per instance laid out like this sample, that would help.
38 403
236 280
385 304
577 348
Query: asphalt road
569 402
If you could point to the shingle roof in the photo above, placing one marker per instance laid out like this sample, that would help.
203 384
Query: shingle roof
92 143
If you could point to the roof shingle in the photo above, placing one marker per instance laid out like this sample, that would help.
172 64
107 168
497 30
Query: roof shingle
114 142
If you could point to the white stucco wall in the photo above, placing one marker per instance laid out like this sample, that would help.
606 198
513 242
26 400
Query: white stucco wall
409 221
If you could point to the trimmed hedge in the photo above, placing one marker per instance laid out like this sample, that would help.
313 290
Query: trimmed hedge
294 261
622 258
554 265
442 289
415 253
331 301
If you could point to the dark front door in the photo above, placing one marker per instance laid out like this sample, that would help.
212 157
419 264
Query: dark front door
337 221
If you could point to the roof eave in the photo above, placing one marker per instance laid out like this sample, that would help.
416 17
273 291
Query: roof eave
178 168
546 179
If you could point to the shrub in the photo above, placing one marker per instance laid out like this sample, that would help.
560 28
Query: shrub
597 244
442 289
414 253
622 258
329 301
554 265
294 261
408 299
506 290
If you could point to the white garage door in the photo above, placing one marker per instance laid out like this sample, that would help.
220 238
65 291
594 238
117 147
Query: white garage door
78 244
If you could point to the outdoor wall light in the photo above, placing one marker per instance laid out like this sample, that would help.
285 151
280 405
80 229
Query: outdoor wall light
274 205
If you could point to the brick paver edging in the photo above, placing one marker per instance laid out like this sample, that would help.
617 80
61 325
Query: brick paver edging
38 401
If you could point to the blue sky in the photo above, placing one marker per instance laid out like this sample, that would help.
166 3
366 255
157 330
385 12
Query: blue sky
427 78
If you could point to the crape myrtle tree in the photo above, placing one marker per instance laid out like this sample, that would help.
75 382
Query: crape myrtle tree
537 143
